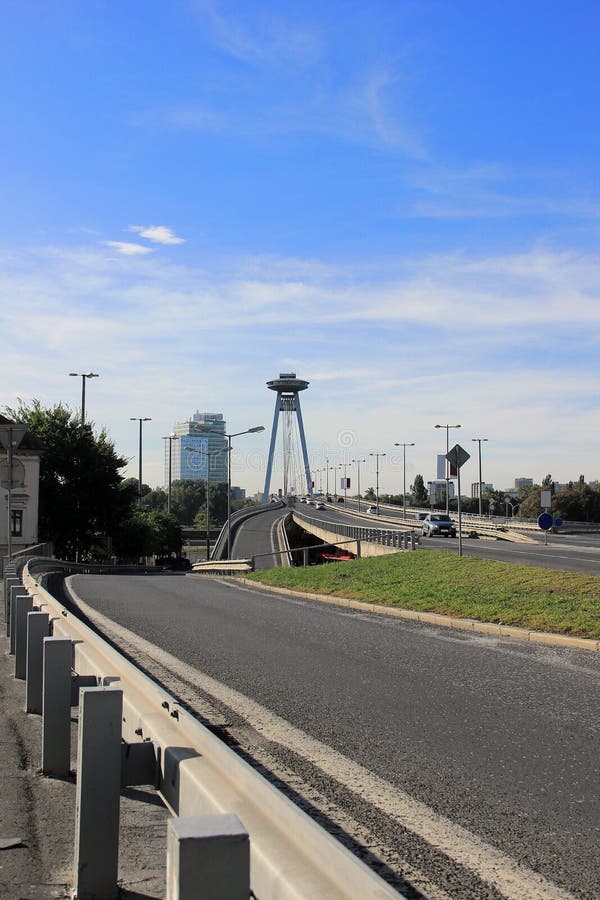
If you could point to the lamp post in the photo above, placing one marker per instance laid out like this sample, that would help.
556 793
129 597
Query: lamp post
344 466
447 427
377 455
206 430
358 462
83 380
479 440
170 438
209 456
404 446
141 421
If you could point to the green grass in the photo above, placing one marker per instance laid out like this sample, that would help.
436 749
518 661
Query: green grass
438 581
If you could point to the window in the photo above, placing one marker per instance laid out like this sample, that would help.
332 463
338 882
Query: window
17 523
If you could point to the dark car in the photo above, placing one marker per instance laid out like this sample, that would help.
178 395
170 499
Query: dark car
438 523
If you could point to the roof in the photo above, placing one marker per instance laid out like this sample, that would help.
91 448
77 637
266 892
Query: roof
29 442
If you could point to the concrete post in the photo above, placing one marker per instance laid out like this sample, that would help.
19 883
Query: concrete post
10 581
413 541
56 706
98 793
15 591
23 606
358 550
208 857
38 627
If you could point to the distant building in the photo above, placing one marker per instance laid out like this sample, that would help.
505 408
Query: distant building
237 493
24 493
198 455
484 487
523 482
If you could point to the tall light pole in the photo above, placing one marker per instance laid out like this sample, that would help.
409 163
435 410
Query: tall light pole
447 427
209 456
479 440
170 438
404 446
377 455
344 466
83 380
358 462
141 421
254 430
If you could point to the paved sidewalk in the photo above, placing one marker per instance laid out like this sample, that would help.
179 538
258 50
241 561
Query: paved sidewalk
37 814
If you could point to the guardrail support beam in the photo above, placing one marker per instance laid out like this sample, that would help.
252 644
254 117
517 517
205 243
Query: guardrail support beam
38 627
56 706
16 591
208 856
10 581
98 793
23 606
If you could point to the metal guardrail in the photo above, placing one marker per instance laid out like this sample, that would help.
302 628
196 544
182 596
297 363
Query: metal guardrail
387 537
197 775
236 520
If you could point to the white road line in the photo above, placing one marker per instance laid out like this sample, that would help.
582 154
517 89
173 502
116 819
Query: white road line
513 880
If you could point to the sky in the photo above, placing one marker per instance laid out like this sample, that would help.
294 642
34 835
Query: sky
398 201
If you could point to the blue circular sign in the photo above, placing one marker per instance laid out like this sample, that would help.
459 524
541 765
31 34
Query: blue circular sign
545 521
558 522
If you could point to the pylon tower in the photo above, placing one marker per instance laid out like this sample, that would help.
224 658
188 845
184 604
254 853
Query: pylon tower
288 388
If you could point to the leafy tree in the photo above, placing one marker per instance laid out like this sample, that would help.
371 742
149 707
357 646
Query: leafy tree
187 497
369 494
166 533
82 493
419 495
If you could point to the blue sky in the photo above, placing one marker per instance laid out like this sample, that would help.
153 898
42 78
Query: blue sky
399 201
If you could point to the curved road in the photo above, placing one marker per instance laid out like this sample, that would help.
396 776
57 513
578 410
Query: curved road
468 765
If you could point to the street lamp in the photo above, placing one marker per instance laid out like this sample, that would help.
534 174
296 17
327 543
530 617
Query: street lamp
479 440
404 446
447 427
377 455
206 430
209 456
83 379
358 462
141 421
344 466
170 438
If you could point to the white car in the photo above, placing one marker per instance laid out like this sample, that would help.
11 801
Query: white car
319 505
373 511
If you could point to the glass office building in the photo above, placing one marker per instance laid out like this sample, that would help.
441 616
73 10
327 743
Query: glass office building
198 455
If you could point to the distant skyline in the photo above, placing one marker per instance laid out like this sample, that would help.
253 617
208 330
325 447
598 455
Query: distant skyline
399 202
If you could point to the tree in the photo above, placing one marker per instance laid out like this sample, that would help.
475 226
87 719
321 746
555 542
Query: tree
419 497
369 494
83 497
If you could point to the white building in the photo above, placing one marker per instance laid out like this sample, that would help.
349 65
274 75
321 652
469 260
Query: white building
25 490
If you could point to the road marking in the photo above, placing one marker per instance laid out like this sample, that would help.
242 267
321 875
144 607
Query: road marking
513 880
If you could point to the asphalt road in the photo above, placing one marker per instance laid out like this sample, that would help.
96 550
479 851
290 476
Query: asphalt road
470 765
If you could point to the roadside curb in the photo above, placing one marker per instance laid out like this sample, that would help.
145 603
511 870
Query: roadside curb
490 628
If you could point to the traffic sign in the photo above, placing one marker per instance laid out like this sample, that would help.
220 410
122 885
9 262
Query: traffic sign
457 456
545 521
558 522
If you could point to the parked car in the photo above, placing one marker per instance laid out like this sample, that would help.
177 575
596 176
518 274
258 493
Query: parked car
437 524
373 511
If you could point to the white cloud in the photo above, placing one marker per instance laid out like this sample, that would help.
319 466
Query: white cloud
127 248
158 234
506 345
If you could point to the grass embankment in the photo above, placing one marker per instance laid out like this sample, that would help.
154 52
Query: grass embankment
441 582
